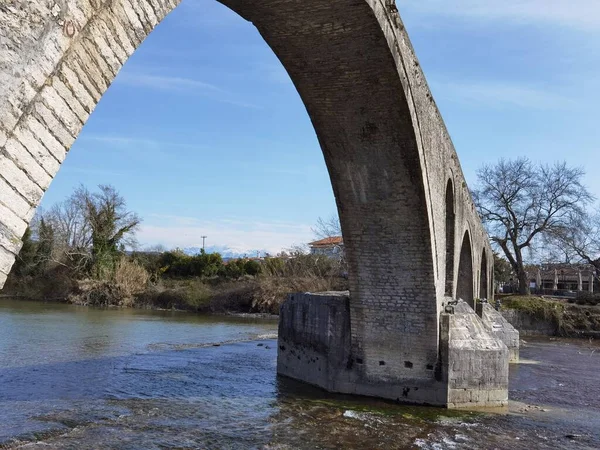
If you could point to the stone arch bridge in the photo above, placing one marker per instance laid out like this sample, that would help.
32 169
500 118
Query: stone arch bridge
411 231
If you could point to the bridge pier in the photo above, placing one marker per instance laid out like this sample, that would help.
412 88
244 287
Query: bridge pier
500 328
315 346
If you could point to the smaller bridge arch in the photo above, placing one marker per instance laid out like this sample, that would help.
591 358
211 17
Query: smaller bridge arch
450 238
484 276
464 285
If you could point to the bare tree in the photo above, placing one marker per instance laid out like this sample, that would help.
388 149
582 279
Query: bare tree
520 202
112 227
91 227
326 228
70 224
581 241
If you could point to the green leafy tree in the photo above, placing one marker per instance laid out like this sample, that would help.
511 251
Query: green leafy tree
45 246
178 264
26 260
112 227
252 267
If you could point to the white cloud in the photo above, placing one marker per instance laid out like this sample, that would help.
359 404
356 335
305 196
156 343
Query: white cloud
119 141
167 83
580 14
500 95
239 235
181 85
91 171
129 142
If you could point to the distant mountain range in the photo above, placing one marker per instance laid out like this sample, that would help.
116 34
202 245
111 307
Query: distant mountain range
226 252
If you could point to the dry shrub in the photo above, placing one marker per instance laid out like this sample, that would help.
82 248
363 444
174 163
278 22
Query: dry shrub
118 289
233 296
130 278
272 291
53 285
189 294
590 298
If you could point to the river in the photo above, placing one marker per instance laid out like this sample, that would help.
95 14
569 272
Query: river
83 378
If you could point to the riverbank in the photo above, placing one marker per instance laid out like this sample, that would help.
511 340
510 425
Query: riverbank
551 316
247 295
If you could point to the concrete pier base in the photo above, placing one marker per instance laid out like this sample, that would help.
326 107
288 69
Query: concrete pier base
474 362
315 346
500 328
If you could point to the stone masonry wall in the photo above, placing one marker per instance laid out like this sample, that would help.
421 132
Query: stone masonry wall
314 346
474 361
314 338
57 58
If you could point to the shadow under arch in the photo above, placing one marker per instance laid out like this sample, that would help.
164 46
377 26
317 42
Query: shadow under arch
342 57
450 238
464 286
484 277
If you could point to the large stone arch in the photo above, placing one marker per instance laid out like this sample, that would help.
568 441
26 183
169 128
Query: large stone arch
465 283
386 147
345 60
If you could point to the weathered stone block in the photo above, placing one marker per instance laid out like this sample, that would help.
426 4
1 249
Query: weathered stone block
500 328
474 362
314 338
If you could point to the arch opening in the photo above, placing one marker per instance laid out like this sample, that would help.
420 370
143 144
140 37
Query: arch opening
450 227
464 286
483 277
361 115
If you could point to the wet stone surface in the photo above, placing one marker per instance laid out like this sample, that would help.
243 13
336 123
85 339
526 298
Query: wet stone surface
89 379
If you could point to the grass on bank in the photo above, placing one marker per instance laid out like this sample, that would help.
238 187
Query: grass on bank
569 319
537 307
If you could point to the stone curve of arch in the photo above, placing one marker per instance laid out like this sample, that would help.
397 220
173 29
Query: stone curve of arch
68 63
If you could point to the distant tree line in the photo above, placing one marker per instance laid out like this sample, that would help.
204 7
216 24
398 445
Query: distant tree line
82 250
293 263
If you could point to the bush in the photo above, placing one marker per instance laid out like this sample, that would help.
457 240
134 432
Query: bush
130 278
118 288
55 284
589 298
274 267
189 295
272 291
252 268
303 265
537 307
178 264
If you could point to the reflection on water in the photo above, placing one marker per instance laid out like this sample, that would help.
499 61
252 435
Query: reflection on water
83 378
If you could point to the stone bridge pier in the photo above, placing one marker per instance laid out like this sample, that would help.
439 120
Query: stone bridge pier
412 236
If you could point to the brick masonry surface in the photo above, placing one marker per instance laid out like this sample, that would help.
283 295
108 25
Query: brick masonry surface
390 158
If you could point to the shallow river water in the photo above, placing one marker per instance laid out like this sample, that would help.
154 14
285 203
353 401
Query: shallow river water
82 378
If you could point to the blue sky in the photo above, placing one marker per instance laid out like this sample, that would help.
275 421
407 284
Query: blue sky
204 134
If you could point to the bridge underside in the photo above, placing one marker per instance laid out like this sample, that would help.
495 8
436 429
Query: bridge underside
411 233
